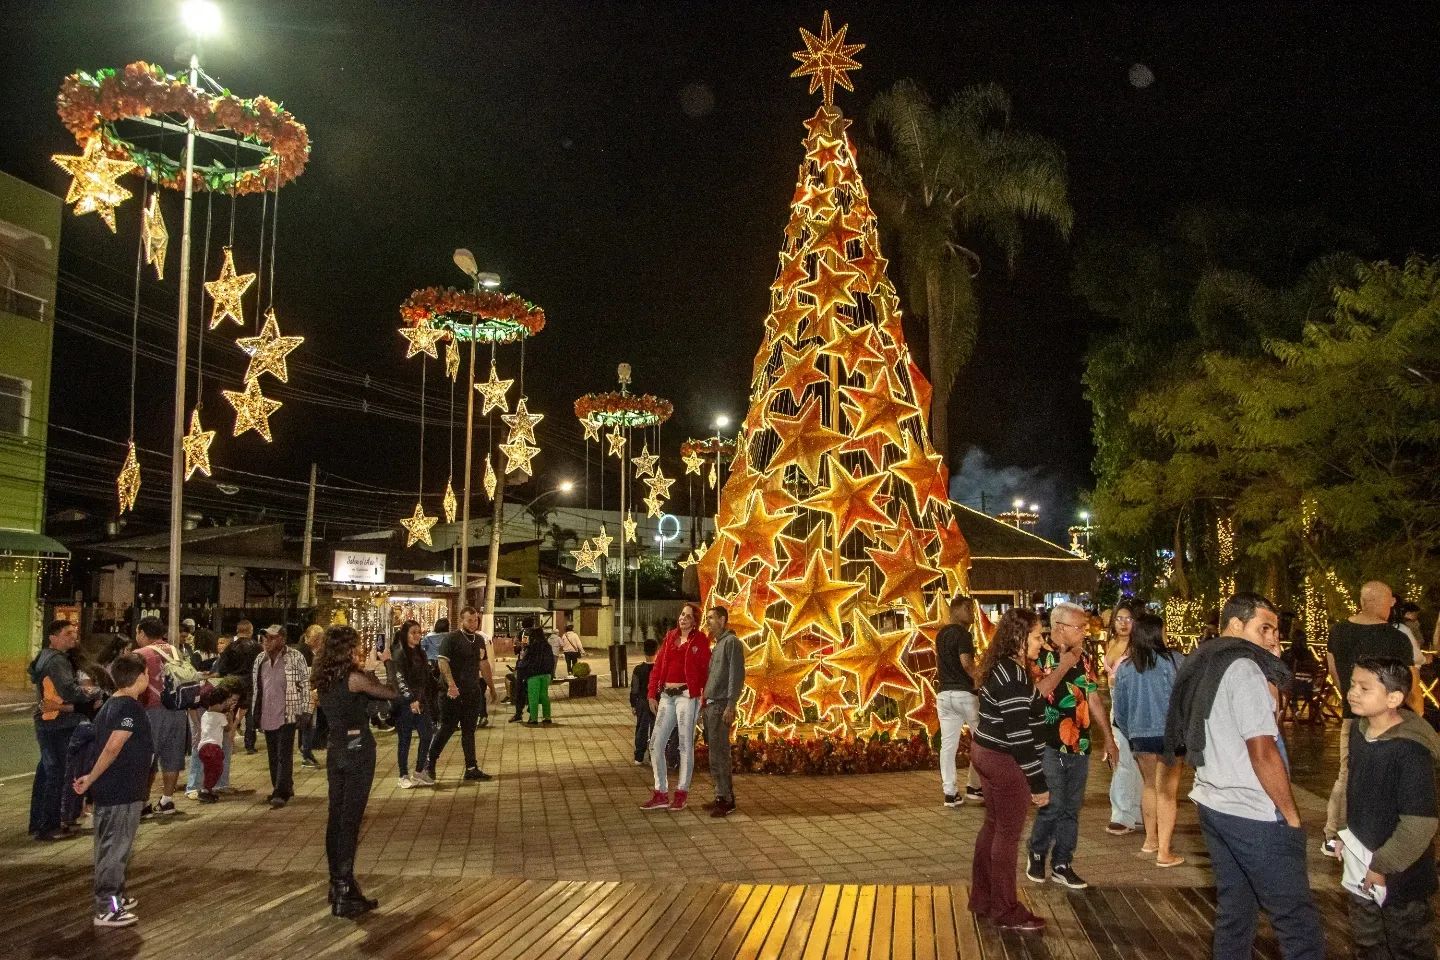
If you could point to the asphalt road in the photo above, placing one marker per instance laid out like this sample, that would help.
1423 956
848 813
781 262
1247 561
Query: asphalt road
18 753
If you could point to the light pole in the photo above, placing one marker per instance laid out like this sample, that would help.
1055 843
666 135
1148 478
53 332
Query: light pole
201 18
465 260
564 486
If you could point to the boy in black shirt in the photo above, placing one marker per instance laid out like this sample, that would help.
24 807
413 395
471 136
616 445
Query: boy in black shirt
640 703
118 783
1390 803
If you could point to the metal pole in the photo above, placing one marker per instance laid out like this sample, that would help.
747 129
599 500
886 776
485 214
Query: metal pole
177 456
306 580
492 569
463 574
620 633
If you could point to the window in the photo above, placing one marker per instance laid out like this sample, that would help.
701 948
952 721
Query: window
14 405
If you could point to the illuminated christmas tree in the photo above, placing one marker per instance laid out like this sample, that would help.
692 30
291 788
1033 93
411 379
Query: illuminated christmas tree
837 547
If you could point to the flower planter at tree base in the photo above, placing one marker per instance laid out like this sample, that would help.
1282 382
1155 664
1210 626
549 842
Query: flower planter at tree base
582 686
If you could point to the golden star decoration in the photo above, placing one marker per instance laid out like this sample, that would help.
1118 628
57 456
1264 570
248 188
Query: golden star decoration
798 552
878 727
881 413
518 454
804 440
831 286
755 534
690 561
493 391
713 480
422 340
827 59
822 124
654 506
602 541
269 350
252 409
825 153
788 317
452 359
627 527
853 346
154 236
850 500
842 729
693 462
798 370
592 429
738 608
645 462
954 556
616 439
817 600
490 480
522 422
924 472
226 292
776 680
448 502
775 731
93 189
196 445
585 557
925 713
827 694
905 574
417 527
792 272
127 483
659 485
874 660
834 234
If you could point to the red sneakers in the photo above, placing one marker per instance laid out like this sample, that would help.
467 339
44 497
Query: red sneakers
679 802
657 801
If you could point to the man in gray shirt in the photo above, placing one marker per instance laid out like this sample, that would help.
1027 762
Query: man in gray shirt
722 691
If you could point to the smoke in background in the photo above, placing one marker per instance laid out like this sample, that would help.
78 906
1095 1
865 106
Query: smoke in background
981 485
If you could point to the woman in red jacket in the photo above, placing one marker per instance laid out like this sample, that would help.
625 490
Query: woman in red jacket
677 683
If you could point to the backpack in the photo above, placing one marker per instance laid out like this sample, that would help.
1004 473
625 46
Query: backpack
182 682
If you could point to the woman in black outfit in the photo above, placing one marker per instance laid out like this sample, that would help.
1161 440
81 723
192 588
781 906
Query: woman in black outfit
409 671
345 693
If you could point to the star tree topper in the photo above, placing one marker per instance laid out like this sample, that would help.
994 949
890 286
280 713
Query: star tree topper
827 59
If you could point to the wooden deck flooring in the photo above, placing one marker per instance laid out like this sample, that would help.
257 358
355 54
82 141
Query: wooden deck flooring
210 911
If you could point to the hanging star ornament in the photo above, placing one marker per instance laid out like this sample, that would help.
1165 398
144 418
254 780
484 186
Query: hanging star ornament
654 506
452 359
693 462
522 422
127 484
616 440
592 429
490 482
93 189
659 485
448 503
494 390
269 350
417 527
827 59
422 340
518 454
585 557
713 480
645 462
602 541
252 409
154 236
628 526
226 292
196 444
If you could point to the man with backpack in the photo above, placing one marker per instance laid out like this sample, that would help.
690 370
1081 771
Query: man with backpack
279 696
169 728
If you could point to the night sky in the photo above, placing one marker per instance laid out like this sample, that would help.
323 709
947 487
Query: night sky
628 167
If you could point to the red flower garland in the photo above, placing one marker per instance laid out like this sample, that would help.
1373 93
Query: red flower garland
633 408
829 757
708 448
434 304
89 105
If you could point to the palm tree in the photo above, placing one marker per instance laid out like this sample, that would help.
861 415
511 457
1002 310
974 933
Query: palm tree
940 182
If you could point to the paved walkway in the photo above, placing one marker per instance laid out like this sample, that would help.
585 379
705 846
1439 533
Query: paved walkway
563 807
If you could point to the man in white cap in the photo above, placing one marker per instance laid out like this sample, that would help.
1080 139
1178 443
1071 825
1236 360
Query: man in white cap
280 695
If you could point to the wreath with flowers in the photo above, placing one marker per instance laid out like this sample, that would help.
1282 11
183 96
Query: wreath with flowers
90 104
617 409
474 314
708 448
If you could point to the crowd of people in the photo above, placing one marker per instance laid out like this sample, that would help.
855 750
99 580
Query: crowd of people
1031 699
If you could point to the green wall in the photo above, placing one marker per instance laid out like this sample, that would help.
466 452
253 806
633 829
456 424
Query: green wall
25 352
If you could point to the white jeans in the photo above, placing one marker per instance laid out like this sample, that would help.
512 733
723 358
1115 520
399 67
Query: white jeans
1125 784
674 712
957 709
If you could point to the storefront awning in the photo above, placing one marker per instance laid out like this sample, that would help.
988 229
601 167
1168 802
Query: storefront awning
24 545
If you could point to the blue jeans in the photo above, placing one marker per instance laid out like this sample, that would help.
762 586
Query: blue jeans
45 792
675 713
407 723
1057 825
1260 864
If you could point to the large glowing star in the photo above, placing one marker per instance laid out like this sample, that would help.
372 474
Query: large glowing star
831 286
518 454
417 527
874 660
268 351
906 574
880 411
827 694
776 680
850 500
493 392
854 346
645 462
659 485
422 340
93 189
835 233
817 600
788 317
925 474
798 552
252 409
804 440
827 59
616 440
592 427
755 534
196 445
522 422
797 371
693 462
227 290
602 542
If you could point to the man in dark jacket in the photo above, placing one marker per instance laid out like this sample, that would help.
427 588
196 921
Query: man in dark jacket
57 695
722 691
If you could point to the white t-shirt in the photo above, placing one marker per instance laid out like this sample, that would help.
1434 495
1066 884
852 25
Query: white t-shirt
212 728
1242 711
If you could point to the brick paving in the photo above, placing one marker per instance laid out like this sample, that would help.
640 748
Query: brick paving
564 802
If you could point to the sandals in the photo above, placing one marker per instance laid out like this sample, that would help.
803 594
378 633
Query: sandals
1169 863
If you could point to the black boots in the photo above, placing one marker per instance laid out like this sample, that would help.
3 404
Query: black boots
346 899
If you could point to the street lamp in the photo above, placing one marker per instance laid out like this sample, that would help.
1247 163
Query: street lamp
201 18
564 486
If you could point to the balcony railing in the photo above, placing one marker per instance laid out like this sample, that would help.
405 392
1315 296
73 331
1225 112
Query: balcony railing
22 304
